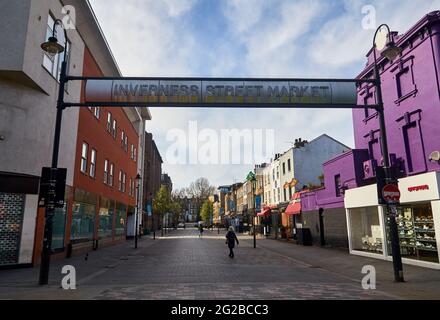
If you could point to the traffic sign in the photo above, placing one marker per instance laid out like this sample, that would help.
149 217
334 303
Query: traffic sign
391 193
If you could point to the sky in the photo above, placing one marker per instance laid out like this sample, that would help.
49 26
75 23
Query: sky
246 38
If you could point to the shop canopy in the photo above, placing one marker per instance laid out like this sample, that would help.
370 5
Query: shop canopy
294 206
265 212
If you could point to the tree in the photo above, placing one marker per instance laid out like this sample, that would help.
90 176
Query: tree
207 211
161 202
200 190
176 209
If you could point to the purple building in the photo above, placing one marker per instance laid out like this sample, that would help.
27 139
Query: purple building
346 211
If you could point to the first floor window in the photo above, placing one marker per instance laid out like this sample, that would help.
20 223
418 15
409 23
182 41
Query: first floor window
106 171
123 181
120 180
132 152
84 152
93 163
112 167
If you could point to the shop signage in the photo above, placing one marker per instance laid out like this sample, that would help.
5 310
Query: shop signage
418 188
221 92
391 193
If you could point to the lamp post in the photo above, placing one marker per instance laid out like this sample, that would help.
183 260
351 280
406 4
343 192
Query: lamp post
52 48
251 177
152 217
138 181
390 51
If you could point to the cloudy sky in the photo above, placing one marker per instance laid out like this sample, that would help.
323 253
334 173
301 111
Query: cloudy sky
247 38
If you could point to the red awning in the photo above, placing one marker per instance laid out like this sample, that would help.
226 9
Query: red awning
265 212
294 206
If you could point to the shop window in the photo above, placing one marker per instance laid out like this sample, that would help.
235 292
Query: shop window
366 232
120 219
417 236
84 153
59 227
106 213
83 222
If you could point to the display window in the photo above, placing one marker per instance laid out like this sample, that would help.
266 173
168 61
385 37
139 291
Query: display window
120 219
417 235
106 213
83 222
366 232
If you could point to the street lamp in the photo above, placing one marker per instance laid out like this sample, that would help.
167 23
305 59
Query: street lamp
152 216
251 177
138 181
389 51
52 48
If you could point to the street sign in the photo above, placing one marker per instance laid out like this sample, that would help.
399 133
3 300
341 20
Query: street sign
203 92
52 179
391 193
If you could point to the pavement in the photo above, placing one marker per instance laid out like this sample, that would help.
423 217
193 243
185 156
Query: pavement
180 265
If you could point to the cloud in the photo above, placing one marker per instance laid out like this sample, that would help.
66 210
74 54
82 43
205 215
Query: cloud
247 38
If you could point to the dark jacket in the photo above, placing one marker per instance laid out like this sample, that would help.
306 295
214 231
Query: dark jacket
231 238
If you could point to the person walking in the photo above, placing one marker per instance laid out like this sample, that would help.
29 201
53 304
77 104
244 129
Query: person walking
200 230
231 238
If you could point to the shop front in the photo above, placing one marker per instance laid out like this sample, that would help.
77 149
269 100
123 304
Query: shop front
418 220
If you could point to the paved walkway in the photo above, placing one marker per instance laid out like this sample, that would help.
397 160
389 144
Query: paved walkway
180 265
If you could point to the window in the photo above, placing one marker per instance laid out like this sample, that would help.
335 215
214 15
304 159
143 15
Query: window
288 165
285 195
120 180
132 152
284 168
130 192
122 138
97 112
53 64
83 222
93 163
366 231
112 167
123 182
109 122
338 185
115 126
106 171
135 155
84 152
126 144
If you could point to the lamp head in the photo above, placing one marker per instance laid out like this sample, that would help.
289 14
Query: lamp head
52 47
138 177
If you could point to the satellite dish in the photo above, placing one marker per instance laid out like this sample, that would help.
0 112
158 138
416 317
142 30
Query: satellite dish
434 156
381 38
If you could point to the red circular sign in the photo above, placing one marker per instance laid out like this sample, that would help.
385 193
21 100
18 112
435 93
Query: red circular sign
391 193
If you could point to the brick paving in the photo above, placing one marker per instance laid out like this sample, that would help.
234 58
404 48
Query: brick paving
182 266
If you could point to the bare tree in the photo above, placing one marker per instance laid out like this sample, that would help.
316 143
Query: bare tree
199 191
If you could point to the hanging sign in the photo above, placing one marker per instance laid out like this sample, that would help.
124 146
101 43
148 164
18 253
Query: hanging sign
235 92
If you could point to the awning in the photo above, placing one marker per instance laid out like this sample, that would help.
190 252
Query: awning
265 212
294 206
